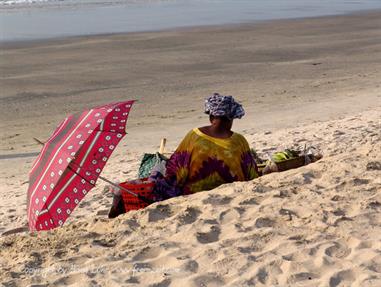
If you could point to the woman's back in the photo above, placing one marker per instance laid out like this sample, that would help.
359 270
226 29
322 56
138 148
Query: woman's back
202 162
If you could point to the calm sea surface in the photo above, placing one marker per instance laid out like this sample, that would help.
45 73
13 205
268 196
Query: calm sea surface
41 19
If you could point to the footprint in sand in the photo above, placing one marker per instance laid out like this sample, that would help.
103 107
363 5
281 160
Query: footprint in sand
308 177
94 283
337 198
160 212
240 228
169 245
216 199
342 278
35 262
264 222
338 133
210 221
262 275
302 276
142 266
261 188
209 237
338 250
70 279
342 219
132 223
249 201
191 266
147 253
60 253
105 242
360 181
132 280
103 212
374 205
165 283
228 216
210 279
255 244
339 212
364 245
189 216
248 249
373 165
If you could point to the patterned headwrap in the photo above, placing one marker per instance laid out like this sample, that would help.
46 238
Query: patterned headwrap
223 106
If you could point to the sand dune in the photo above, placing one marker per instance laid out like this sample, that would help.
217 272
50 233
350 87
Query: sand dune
319 225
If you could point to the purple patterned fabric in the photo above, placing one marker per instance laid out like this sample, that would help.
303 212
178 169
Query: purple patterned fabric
248 163
177 161
200 163
223 106
169 186
213 165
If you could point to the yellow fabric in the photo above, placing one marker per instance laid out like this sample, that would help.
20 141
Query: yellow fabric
202 162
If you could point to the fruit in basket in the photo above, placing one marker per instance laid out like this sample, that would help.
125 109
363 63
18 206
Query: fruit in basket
284 155
292 153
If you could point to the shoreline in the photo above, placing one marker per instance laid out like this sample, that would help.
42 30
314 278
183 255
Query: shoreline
181 29
160 15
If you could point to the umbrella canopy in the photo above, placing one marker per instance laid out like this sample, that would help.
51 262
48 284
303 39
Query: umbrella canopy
71 161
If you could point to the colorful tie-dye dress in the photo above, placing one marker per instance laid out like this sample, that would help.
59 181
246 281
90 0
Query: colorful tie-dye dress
202 162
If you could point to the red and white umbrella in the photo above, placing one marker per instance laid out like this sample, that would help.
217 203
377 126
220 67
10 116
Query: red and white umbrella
71 162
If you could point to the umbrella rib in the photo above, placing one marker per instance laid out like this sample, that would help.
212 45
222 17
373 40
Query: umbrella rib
118 186
80 166
81 176
51 161
53 201
114 184
61 126
79 173
76 172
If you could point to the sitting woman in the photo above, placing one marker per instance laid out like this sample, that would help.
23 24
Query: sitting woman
209 156
206 158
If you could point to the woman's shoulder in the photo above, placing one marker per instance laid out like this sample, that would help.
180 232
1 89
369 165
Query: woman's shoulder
239 136
190 136
240 140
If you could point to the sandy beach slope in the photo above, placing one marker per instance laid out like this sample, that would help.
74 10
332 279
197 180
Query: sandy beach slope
319 225
309 81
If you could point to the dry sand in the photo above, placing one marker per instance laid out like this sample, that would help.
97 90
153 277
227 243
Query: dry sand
314 226
311 81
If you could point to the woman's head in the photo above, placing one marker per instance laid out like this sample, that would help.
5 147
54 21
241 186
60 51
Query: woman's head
222 110
221 123
223 106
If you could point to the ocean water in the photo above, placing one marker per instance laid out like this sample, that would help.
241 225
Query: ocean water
41 19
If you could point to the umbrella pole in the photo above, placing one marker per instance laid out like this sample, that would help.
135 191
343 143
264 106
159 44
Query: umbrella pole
117 186
146 200
126 190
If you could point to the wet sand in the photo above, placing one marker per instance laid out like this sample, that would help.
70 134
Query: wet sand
284 72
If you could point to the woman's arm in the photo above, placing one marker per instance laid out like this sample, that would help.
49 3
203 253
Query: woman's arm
177 171
248 164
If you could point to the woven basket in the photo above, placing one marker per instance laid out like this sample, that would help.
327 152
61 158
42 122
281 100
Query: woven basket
291 163
143 188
